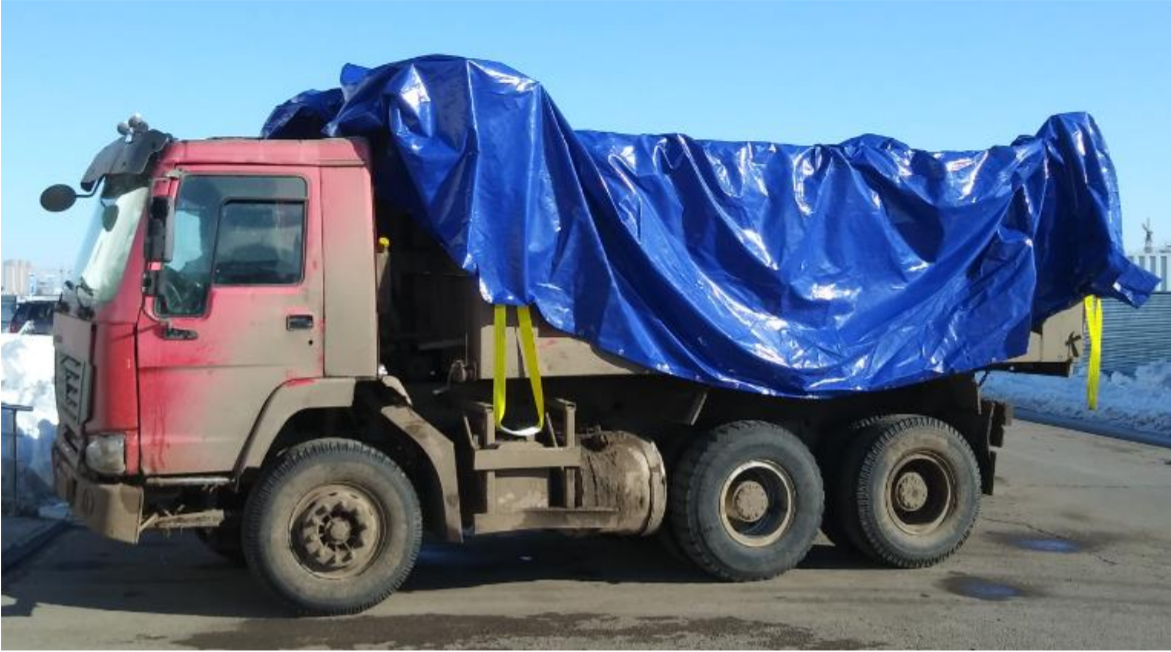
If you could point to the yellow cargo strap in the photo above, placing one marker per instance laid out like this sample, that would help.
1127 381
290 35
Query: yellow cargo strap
1094 327
500 368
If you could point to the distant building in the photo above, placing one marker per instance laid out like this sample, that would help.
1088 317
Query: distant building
1157 262
16 276
22 278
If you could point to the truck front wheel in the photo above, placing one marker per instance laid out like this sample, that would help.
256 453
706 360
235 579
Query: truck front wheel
746 501
910 491
333 527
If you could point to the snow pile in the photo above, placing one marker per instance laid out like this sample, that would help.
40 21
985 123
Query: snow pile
1141 401
28 376
28 380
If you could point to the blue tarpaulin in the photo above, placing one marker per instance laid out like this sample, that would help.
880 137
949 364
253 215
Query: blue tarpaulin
780 269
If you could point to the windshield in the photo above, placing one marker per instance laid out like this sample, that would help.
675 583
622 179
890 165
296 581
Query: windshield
102 259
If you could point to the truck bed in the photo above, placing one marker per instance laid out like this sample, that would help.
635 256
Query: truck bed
461 330
1052 350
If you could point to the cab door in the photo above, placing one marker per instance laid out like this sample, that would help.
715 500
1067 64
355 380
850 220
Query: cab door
237 312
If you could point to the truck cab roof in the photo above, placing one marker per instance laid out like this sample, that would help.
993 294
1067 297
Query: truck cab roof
325 151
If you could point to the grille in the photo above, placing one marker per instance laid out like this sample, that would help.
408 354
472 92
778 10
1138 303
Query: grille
72 386
69 444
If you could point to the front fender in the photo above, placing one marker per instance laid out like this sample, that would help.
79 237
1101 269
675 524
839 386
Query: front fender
285 401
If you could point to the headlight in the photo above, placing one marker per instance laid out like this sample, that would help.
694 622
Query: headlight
106 453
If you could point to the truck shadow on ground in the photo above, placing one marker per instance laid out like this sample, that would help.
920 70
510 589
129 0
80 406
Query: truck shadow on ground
534 557
177 575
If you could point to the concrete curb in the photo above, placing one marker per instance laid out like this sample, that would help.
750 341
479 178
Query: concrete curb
20 552
1095 428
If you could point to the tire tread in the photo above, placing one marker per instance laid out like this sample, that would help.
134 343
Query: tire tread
839 492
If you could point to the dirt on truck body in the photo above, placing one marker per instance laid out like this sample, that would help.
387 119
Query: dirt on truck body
261 352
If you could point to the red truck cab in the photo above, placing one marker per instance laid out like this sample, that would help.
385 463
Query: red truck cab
161 365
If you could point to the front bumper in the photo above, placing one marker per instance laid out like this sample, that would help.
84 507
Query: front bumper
113 510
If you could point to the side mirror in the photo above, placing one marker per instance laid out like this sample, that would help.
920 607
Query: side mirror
58 198
160 231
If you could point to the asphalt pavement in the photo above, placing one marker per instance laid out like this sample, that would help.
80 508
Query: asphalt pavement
1074 551
25 535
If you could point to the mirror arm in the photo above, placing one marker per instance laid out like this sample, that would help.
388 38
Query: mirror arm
160 230
150 282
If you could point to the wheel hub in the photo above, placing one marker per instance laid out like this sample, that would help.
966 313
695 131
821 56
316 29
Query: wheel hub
336 531
749 501
911 491
756 503
920 496
339 531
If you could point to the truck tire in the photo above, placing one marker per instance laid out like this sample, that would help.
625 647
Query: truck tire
746 501
665 539
334 527
915 485
836 462
671 449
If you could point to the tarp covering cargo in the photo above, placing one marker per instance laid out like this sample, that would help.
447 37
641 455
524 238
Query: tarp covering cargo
780 269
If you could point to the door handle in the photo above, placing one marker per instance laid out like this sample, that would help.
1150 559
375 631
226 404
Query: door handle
299 322
169 332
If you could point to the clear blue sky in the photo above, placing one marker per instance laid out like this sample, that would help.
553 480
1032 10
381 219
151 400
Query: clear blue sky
937 76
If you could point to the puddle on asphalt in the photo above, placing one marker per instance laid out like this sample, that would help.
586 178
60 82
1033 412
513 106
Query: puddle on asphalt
981 589
1057 545
1046 544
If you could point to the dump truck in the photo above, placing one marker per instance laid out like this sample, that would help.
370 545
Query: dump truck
256 350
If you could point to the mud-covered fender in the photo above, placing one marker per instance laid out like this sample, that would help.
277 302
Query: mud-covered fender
285 401
394 405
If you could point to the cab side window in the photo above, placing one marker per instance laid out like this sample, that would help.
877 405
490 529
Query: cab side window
232 230
259 243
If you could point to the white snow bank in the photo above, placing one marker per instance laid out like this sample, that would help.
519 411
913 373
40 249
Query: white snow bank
1141 401
28 365
28 377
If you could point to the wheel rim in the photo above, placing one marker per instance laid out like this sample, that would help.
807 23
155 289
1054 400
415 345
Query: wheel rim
337 531
756 503
920 494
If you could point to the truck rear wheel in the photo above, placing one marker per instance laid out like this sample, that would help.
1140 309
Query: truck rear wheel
839 455
333 528
746 501
915 485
